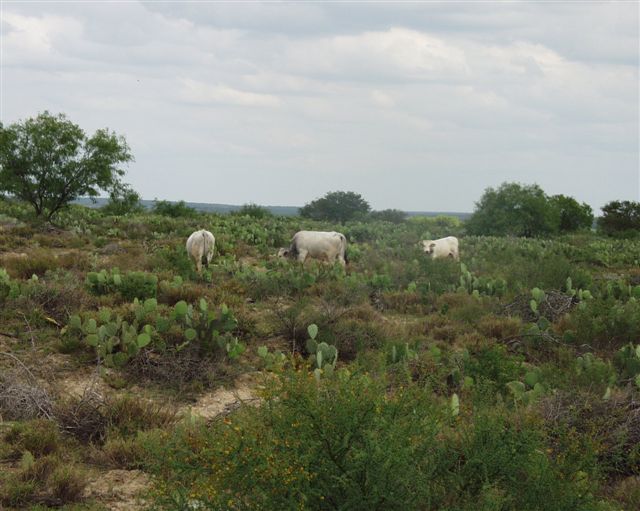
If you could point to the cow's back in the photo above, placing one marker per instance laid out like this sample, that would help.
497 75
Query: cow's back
320 244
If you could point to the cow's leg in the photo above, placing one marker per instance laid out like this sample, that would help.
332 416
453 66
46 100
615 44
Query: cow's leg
302 255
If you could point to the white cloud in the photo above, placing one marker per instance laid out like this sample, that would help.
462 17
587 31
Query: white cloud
36 36
382 99
287 101
202 93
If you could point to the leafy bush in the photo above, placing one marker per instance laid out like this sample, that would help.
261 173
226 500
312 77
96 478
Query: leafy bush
572 216
607 428
395 216
339 442
336 207
603 324
343 442
620 218
38 263
492 365
123 201
513 209
5 284
133 284
254 211
173 209
40 437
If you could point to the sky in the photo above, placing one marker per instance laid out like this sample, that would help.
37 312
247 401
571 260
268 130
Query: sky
418 106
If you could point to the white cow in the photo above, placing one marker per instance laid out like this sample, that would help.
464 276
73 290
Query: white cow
442 248
331 246
200 248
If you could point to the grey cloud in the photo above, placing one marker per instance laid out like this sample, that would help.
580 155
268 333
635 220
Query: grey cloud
417 106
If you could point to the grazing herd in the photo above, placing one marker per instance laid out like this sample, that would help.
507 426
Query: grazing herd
328 246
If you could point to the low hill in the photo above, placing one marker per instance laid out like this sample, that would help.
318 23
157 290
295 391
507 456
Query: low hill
276 210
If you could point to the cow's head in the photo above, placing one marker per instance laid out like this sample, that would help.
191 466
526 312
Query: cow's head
283 252
428 246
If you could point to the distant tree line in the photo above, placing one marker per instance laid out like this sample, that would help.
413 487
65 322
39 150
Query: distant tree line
48 162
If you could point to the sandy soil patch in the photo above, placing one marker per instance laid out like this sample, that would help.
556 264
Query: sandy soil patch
224 400
119 490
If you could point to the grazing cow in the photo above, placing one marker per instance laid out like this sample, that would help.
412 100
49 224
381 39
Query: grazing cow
331 246
444 247
200 248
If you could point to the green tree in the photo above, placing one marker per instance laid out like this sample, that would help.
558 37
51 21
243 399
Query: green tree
254 211
620 218
173 209
336 207
572 216
394 216
48 161
513 210
123 200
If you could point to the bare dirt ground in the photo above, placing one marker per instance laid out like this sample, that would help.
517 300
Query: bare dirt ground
224 400
118 490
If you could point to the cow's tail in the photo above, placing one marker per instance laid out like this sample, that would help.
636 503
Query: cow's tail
344 244
293 248
205 249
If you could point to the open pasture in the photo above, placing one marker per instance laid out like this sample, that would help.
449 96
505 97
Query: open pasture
508 380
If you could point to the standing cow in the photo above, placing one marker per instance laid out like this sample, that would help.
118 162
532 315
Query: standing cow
331 246
442 248
200 248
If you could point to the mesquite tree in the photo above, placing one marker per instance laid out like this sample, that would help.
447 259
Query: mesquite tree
48 161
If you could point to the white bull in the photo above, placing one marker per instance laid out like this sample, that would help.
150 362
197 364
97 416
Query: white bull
331 246
442 248
200 247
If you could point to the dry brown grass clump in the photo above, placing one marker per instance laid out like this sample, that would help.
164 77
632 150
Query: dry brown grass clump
555 305
21 400
611 426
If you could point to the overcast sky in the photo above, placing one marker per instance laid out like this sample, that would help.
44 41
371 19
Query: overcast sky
417 106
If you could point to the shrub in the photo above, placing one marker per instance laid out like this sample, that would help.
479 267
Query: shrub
254 211
36 263
513 209
138 284
344 442
580 421
352 335
340 442
133 284
336 207
40 437
173 209
129 415
620 218
126 453
572 216
603 324
123 201
395 216
493 365
67 482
